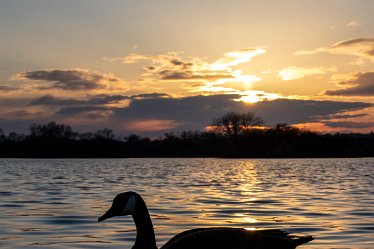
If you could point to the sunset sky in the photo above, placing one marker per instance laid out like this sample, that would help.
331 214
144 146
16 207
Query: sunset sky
148 67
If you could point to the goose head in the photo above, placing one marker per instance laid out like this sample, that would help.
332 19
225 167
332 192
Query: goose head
131 203
123 204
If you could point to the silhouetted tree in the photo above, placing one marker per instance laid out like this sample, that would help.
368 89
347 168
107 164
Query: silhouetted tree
285 128
233 124
189 135
86 136
57 140
15 137
51 130
104 134
2 135
132 138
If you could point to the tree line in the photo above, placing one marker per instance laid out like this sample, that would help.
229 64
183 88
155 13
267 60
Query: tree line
236 135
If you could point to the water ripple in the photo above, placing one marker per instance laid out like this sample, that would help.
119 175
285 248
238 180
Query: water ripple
56 203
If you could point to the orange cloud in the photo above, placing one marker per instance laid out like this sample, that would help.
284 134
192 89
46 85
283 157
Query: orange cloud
151 125
332 127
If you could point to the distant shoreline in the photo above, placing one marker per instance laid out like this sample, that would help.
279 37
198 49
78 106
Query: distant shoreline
59 141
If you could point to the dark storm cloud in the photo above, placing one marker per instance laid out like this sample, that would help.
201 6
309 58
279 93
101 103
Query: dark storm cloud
362 84
350 125
69 79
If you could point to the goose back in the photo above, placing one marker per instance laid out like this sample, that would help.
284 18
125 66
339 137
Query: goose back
234 238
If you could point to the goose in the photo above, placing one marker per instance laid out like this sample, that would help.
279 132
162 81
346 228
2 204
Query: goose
131 203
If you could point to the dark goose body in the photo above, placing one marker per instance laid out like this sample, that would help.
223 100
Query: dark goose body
131 203
238 238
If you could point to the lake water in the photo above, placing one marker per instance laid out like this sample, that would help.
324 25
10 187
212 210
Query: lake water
56 203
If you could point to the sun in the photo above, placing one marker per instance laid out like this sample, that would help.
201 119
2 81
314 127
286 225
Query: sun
254 96
250 98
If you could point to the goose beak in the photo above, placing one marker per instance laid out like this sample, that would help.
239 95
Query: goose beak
107 215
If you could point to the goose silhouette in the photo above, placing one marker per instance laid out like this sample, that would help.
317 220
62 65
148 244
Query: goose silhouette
131 203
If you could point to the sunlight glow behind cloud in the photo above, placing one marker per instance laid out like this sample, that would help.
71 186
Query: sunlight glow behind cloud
235 58
256 96
293 73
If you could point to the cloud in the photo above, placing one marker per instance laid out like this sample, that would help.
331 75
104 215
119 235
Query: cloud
361 84
196 112
344 116
350 125
299 111
353 24
293 73
49 100
254 96
20 114
101 99
90 111
150 95
230 59
155 114
151 125
361 47
172 67
69 79
237 57
4 88
162 59
189 75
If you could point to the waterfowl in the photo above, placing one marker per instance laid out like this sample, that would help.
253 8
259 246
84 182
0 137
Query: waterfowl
131 203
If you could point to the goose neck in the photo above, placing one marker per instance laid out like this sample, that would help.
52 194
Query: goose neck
145 236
